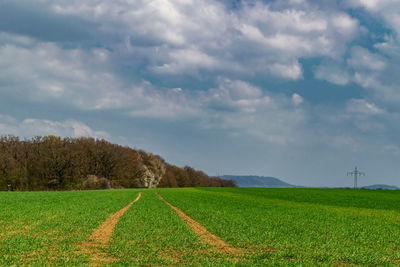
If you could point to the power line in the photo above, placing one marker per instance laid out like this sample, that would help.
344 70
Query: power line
355 173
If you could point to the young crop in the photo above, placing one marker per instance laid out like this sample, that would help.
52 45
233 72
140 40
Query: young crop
152 234
46 228
307 226
266 227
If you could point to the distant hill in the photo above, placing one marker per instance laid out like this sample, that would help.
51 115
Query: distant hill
257 181
381 186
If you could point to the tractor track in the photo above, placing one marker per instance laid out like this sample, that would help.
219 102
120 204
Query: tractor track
101 236
215 241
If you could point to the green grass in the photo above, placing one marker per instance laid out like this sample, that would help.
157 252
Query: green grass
276 227
152 234
303 226
45 228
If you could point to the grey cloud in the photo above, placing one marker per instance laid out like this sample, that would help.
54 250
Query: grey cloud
208 35
388 10
120 58
44 72
34 20
85 79
361 58
377 72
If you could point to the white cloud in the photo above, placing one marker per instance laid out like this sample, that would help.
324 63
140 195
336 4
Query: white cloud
84 79
79 79
244 110
274 124
345 25
149 102
373 5
289 71
297 99
237 94
388 10
45 72
15 39
186 60
204 34
184 37
166 41
239 90
377 71
361 106
361 58
374 71
33 127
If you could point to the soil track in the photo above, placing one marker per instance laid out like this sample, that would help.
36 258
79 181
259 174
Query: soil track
104 232
216 242
102 235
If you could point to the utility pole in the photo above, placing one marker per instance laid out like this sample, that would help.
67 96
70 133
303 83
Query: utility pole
355 173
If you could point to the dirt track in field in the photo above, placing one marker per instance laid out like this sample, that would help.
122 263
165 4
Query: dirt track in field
102 235
216 242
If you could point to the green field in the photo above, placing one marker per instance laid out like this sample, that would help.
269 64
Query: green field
272 227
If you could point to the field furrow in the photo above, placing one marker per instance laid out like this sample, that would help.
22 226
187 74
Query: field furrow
152 234
284 227
46 228
215 241
201 227
102 235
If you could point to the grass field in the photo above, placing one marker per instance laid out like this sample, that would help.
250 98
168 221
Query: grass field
44 227
271 227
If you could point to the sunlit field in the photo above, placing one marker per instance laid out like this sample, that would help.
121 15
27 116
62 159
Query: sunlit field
275 227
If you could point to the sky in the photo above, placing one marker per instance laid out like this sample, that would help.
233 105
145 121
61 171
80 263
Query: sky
302 90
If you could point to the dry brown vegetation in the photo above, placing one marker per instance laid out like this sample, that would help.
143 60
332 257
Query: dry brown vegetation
54 163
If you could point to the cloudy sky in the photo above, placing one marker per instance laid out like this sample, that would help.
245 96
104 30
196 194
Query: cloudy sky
303 90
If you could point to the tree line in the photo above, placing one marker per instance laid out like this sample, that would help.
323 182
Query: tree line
55 163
